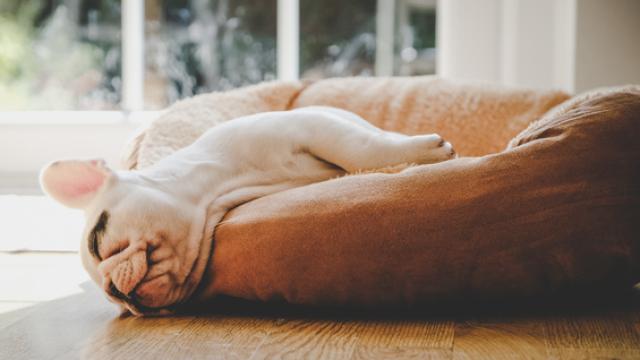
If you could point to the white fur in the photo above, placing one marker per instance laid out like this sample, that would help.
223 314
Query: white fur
166 214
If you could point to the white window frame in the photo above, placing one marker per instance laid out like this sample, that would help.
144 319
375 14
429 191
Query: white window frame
132 55
288 40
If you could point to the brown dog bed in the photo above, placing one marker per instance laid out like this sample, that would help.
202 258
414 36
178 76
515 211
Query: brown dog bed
555 209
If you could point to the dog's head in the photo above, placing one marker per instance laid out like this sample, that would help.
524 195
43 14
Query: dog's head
145 246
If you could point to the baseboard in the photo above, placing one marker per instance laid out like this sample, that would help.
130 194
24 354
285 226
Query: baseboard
19 183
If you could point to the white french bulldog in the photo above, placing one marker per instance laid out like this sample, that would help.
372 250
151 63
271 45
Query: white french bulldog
149 232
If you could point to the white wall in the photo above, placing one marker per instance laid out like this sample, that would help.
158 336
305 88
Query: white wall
573 45
537 42
468 39
510 42
607 43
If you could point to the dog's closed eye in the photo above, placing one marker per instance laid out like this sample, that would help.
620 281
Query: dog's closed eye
96 234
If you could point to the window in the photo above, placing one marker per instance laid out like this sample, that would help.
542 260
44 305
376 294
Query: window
144 55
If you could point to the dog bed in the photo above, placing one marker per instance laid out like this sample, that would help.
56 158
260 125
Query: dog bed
543 201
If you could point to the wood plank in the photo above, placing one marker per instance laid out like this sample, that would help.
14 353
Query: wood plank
620 354
401 354
131 337
216 337
308 339
404 339
610 334
500 339
405 333
610 331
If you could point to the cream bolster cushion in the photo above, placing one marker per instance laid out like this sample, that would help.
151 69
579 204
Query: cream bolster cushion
556 211
478 119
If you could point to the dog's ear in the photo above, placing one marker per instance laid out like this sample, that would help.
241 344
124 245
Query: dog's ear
74 183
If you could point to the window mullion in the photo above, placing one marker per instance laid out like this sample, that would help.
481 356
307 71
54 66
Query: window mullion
385 26
132 55
288 42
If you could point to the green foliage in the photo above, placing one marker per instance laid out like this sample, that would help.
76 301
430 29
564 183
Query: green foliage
43 67
16 32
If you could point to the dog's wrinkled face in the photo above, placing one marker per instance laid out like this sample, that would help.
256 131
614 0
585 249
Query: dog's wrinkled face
141 244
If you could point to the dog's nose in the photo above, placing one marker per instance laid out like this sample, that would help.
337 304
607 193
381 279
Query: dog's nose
128 274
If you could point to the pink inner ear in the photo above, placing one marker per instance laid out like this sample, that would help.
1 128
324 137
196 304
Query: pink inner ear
72 180
87 183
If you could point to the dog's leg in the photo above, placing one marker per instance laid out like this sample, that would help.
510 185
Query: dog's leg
354 147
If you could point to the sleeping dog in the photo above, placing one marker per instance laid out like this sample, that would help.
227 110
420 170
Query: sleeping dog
149 232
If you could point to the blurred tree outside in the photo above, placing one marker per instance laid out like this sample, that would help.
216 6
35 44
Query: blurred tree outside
66 54
199 46
49 62
337 38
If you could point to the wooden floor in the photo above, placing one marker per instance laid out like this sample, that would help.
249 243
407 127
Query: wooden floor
37 322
